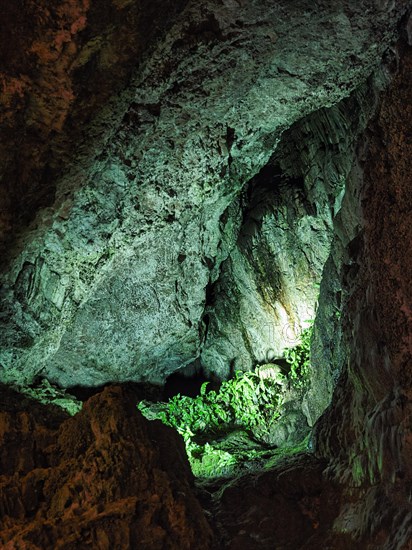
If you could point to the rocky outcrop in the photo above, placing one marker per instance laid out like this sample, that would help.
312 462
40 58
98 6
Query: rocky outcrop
268 288
355 491
135 240
367 432
142 222
106 478
60 66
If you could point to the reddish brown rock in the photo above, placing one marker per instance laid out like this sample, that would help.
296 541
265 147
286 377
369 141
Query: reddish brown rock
106 478
368 431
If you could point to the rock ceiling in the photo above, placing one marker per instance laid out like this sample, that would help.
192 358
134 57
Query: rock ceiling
133 138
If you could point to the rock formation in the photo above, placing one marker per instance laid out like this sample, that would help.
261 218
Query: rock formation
146 211
356 491
106 478
179 182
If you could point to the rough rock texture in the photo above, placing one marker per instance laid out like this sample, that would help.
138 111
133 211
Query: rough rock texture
368 431
110 282
104 479
355 492
60 64
286 508
269 285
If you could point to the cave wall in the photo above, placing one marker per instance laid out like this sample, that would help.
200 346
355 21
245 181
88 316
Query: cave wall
61 64
143 216
268 287
366 434
354 492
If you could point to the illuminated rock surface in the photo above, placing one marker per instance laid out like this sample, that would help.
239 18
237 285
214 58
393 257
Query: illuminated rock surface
359 498
110 282
142 262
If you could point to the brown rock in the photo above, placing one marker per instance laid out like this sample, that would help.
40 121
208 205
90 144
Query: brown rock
367 432
106 478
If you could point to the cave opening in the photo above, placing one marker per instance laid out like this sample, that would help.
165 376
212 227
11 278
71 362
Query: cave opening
225 248
257 406
253 394
248 422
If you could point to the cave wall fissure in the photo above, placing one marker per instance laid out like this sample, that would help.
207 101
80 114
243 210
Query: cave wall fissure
358 495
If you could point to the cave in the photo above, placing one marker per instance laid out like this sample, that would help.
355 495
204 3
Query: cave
206 207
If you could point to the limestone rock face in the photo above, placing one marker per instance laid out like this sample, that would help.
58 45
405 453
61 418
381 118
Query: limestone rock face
75 291
60 65
269 285
106 478
360 497
367 431
110 282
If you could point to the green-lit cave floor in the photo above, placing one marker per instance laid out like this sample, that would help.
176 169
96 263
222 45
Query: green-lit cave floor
214 453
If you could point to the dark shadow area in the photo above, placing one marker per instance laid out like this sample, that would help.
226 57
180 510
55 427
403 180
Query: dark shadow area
189 385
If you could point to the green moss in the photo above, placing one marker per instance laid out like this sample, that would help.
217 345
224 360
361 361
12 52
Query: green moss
48 394
281 453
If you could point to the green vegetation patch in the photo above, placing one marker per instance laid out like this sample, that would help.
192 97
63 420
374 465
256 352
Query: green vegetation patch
298 358
225 431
